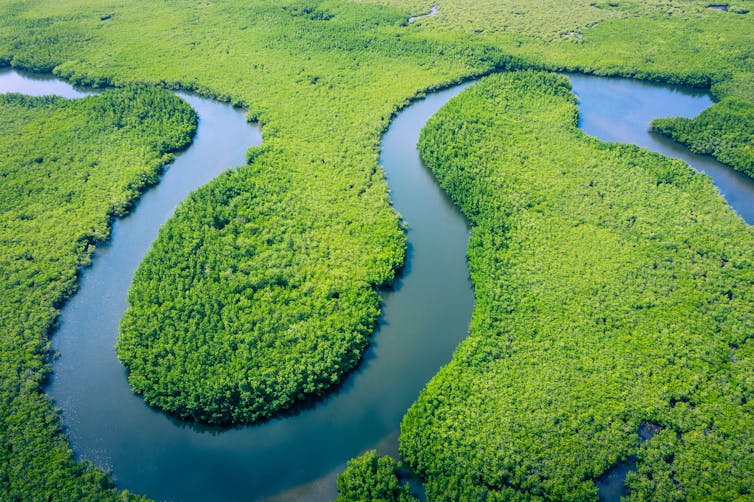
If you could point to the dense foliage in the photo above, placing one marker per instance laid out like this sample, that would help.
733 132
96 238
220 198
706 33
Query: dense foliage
67 167
372 478
613 286
324 78
229 323
261 290
725 131
677 42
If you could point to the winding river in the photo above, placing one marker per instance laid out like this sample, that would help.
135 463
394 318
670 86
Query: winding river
620 110
425 314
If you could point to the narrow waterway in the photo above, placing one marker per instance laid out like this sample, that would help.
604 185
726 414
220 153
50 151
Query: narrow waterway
620 110
425 316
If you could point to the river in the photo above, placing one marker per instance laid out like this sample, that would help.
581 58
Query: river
425 314
620 110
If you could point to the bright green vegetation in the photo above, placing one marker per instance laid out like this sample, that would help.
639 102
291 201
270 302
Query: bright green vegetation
677 42
285 254
67 168
261 290
725 131
545 19
278 263
372 478
613 286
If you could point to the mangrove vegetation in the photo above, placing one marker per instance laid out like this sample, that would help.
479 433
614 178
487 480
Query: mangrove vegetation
681 42
67 168
725 131
262 290
613 289
372 477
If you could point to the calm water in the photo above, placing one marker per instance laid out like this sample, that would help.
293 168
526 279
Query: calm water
425 316
620 110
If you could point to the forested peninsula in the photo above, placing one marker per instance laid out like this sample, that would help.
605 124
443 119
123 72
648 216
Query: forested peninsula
725 131
613 288
265 282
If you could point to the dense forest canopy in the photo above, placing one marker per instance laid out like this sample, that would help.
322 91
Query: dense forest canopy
298 241
372 477
613 288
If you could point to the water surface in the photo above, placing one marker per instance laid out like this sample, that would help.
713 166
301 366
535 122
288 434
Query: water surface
620 110
425 314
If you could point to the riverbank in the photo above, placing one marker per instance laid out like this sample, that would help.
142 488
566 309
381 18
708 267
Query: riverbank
70 167
611 288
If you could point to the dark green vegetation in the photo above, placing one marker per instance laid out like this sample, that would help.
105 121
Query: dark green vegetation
228 324
309 219
725 131
370 477
613 287
67 168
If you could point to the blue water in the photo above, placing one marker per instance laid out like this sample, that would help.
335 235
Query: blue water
425 315
620 110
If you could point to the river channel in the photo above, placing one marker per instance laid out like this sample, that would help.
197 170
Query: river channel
425 314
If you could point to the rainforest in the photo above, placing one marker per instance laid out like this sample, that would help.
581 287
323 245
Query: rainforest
612 285
596 296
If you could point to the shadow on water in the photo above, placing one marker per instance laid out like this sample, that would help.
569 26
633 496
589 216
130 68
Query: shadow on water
611 486
39 84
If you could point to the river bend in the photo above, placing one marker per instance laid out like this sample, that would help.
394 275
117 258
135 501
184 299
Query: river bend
425 314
